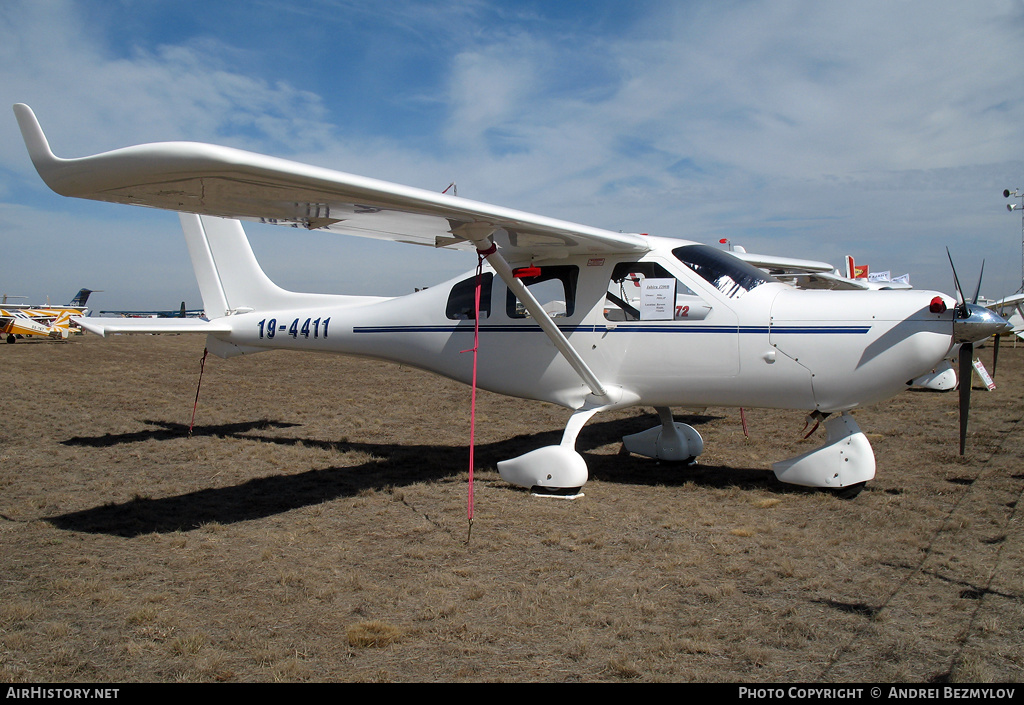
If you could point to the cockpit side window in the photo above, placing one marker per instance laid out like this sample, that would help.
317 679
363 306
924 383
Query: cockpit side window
554 288
647 291
730 275
462 299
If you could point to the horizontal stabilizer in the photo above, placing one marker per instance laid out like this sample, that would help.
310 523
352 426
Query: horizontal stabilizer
107 326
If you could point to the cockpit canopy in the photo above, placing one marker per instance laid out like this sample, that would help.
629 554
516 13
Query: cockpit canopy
730 275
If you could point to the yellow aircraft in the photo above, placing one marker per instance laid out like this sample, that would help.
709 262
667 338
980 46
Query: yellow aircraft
17 321
51 323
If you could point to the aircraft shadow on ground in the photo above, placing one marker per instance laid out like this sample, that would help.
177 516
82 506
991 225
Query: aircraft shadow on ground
391 466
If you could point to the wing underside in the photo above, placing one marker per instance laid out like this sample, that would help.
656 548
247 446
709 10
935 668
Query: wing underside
211 180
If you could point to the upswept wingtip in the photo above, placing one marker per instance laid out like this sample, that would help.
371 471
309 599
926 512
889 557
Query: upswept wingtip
47 164
32 133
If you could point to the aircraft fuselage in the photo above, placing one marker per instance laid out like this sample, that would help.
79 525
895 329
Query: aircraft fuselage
770 346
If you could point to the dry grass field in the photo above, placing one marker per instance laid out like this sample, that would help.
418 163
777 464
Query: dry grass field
313 528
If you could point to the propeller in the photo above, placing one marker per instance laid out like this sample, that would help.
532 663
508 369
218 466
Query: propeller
995 354
961 302
966 378
995 344
966 354
977 291
971 323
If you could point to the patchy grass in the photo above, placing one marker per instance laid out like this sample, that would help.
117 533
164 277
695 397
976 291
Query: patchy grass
314 528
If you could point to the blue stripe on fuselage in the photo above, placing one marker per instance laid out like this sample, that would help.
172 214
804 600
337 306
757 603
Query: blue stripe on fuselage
642 328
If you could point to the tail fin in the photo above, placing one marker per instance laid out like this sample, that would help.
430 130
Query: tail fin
81 298
230 279
61 325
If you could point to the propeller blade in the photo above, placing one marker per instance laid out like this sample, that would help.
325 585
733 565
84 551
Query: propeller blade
966 374
995 354
977 292
956 281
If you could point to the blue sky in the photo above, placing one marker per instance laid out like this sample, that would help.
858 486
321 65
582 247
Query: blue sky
811 129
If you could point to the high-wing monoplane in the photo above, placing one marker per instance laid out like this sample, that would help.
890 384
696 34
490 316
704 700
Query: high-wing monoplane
18 323
546 306
77 305
20 320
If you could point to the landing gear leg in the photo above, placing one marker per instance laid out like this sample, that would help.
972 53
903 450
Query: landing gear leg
557 471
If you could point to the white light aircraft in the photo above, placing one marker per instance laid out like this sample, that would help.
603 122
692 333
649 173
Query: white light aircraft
707 329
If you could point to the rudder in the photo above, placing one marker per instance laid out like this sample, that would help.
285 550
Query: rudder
229 276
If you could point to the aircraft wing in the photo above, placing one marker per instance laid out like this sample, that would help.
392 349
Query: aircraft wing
810 274
110 326
1007 303
1011 308
784 265
823 280
221 181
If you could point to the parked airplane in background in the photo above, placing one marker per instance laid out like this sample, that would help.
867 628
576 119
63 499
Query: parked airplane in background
81 299
78 303
181 312
1011 308
710 329
810 274
19 320
18 323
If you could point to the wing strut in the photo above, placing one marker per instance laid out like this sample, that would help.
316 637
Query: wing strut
480 235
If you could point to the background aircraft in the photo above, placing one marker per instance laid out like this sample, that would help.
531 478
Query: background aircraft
18 320
1011 308
180 312
17 323
78 303
811 274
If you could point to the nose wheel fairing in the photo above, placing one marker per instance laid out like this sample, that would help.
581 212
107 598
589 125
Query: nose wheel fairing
845 459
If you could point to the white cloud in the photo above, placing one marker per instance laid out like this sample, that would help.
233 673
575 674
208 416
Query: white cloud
885 130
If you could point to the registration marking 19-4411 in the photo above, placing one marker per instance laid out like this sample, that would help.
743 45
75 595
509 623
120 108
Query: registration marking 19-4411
311 327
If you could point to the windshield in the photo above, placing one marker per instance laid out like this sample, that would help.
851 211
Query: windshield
730 275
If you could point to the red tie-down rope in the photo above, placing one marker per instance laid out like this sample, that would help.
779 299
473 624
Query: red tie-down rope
202 366
481 255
